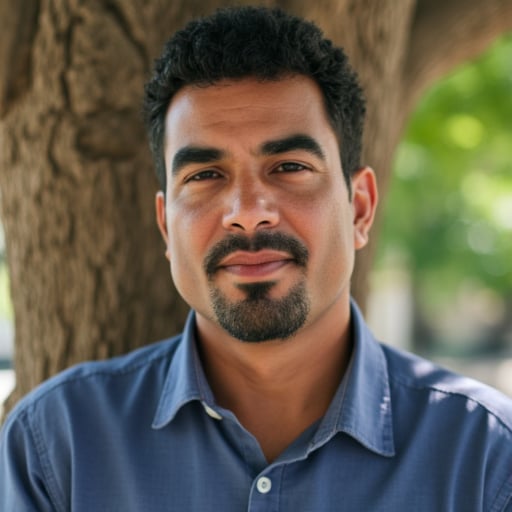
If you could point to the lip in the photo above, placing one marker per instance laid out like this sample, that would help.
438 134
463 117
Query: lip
255 264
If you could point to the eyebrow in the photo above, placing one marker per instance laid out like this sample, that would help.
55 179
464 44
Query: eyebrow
292 143
195 155
204 155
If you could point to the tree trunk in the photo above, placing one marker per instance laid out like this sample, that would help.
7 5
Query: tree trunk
88 275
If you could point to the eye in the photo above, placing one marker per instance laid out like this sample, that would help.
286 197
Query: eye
290 167
207 174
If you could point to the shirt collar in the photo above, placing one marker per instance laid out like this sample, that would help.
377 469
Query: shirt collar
361 407
185 379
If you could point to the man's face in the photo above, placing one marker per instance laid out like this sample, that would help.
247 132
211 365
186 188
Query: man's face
259 228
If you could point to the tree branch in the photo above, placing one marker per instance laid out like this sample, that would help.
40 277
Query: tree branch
19 25
445 33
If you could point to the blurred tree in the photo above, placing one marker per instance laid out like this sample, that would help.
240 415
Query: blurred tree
449 210
87 272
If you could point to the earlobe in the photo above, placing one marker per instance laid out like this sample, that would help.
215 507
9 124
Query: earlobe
365 199
162 221
361 238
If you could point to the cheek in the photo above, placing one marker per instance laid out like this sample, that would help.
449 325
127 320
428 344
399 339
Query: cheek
189 238
188 229
333 245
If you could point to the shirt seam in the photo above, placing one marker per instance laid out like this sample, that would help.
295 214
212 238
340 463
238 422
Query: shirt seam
100 372
503 496
47 474
408 384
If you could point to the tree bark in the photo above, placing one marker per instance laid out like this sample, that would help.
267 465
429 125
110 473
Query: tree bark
88 275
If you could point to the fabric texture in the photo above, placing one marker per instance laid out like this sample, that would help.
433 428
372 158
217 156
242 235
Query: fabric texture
143 432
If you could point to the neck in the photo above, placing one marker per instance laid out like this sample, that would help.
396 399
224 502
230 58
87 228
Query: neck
277 388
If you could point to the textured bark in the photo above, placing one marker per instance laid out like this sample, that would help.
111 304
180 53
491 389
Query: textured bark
19 27
88 275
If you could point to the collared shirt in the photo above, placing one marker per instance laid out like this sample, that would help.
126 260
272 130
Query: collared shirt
143 433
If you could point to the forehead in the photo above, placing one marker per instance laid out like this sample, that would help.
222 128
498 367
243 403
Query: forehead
247 110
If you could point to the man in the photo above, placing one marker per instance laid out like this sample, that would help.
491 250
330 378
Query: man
276 396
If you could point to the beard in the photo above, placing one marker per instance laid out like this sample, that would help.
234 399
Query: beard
258 317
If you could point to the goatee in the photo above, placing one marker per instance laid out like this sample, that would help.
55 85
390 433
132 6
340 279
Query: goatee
258 317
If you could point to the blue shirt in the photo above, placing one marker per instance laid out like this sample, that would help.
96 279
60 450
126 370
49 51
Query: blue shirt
143 433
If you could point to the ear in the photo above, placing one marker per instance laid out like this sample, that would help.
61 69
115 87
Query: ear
365 199
162 221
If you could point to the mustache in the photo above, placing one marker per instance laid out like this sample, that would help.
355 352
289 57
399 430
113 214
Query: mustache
262 240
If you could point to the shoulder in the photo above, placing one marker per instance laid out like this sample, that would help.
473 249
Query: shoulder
415 376
113 377
75 416
452 425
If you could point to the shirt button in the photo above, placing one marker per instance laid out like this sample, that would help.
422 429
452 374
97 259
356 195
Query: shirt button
211 412
264 484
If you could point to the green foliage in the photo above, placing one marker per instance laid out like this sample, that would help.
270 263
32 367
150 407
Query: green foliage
449 210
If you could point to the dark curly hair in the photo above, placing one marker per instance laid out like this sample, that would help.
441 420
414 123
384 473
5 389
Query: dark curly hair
268 44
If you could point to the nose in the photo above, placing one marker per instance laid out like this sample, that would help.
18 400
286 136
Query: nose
250 207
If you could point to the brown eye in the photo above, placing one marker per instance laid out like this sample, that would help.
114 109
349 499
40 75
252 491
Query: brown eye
290 167
208 174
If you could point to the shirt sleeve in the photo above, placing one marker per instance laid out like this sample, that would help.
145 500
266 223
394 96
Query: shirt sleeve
23 484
